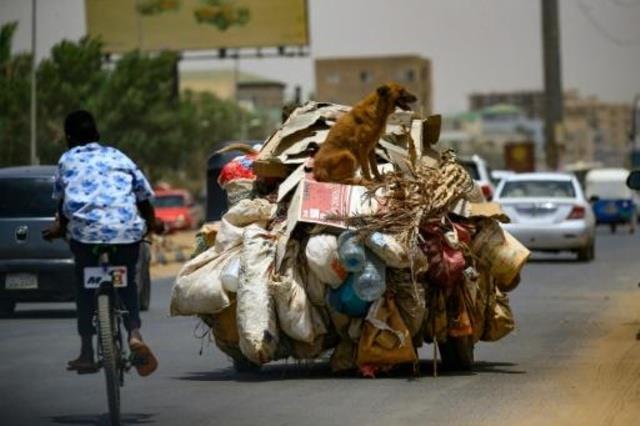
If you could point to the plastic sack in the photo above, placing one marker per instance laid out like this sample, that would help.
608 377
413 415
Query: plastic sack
322 257
351 252
224 328
499 319
230 276
446 263
257 324
387 248
385 339
315 288
343 357
233 222
409 298
345 300
198 289
295 312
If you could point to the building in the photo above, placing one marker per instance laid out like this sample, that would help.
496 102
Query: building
592 128
488 131
348 80
254 93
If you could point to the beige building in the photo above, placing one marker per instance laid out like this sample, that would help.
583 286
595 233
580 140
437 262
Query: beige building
252 91
594 129
347 80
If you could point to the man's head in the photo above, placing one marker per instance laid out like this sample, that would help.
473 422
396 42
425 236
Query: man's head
80 129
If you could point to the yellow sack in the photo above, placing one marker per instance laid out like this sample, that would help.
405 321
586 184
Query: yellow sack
385 339
499 319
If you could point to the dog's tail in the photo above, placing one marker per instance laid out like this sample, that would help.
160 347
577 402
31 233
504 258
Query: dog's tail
242 147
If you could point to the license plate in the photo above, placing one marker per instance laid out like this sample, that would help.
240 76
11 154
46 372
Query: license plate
94 276
611 208
21 282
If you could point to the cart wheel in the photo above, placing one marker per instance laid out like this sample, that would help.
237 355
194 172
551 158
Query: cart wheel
613 228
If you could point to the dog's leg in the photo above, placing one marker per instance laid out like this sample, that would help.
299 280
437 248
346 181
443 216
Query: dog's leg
363 159
373 162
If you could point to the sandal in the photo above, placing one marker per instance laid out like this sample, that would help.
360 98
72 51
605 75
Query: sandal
142 358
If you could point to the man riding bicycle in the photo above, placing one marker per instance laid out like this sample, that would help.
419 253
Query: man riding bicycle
104 201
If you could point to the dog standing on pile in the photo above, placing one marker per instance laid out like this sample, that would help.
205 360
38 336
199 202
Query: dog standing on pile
352 140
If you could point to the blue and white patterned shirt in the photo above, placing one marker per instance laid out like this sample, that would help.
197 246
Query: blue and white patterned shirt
100 187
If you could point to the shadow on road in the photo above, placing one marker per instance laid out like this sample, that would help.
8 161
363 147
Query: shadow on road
322 370
556 260
103 419
41 314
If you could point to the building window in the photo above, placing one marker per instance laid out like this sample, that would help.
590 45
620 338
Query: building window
409 76
333 78
365 77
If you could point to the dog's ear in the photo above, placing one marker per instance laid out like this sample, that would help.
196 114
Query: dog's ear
383 90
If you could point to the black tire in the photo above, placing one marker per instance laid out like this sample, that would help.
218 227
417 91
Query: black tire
110 357
457 353
587 254
613 227
7 307
143 277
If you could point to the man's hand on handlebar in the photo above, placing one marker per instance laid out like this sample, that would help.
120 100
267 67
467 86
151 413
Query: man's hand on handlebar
56 230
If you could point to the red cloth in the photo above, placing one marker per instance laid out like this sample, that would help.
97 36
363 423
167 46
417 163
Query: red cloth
239 168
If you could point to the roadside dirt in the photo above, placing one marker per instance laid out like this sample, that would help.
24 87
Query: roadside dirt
172 247
602 381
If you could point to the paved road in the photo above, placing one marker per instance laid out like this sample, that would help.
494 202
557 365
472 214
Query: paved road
557 308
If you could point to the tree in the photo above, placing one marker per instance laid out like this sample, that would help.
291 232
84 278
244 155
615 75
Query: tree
135 103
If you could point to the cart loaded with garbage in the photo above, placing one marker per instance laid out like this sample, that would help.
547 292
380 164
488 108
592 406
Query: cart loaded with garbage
364 275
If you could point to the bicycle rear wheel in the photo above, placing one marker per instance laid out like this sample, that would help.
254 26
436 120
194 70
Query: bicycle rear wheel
110 356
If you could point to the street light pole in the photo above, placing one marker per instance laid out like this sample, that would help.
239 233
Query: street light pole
552 79
33 150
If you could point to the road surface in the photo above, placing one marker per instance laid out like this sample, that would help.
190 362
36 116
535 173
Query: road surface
572 360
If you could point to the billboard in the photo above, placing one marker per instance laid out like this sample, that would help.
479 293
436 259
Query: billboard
153 25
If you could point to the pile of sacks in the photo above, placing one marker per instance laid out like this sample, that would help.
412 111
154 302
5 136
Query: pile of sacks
300 268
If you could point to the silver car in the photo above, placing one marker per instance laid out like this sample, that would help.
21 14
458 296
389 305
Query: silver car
548 212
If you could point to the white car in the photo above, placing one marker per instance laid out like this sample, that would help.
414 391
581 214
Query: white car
548 212
480 172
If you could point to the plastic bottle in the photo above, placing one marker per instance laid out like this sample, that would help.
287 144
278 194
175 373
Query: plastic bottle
230 275
344 299
351 252
370 283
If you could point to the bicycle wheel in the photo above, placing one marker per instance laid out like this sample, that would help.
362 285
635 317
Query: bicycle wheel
110 354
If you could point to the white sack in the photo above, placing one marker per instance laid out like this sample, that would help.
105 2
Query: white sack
234 221
295 312
323 260
387 248
198 289
257 325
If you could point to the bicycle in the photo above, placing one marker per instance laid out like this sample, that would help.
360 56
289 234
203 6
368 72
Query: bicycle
108 320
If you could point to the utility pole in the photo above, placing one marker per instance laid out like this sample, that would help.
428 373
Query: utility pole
33 147
552 79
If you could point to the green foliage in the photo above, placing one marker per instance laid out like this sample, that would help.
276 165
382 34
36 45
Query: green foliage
134 101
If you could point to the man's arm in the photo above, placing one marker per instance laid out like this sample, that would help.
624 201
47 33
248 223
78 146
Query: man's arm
59 228
147 212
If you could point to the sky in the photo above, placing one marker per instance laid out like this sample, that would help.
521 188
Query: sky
474 45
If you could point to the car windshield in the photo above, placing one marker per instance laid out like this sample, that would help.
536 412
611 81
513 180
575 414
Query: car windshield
472 169
169 201
27 197
538 189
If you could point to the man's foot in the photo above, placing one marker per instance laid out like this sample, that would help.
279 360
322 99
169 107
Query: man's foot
84 364
143 359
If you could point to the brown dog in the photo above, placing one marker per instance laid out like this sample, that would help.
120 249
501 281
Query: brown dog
352 140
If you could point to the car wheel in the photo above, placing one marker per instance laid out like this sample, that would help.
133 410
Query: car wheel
7 307
587 254
457 353
144 277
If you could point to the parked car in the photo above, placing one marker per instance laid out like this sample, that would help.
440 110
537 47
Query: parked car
498 175
548 212
612 201
481 173
177 209
32 269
